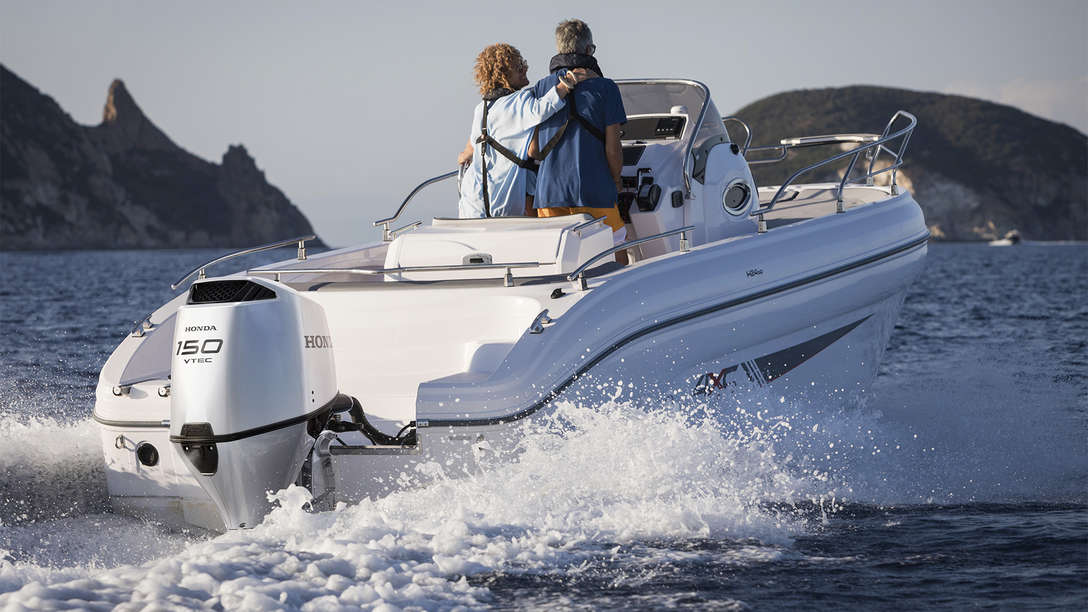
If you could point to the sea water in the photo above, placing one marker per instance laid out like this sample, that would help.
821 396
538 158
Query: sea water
960 479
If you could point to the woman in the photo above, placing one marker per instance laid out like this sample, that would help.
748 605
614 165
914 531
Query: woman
499 178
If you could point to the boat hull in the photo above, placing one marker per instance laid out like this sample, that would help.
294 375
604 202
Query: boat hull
807 345
799 313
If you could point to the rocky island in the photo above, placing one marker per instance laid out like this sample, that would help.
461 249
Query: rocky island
124 183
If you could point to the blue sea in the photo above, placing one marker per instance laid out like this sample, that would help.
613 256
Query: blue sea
960 480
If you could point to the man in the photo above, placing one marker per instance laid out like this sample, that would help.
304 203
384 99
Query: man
580 147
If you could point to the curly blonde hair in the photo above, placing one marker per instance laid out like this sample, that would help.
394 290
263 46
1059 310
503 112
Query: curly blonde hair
496 65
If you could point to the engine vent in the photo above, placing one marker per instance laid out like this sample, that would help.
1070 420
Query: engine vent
218 292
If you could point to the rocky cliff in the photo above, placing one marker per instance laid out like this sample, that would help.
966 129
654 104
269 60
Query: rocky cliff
978 169
123 183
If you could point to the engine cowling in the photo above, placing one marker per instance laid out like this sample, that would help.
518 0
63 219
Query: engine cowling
252 370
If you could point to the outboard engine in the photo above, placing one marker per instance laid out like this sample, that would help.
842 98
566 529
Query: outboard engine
252 369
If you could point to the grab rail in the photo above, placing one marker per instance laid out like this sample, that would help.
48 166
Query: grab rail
579 273
581 226
387 236
783 147
871 144
301 240
800 142
783 152
508 279
747 132
902 147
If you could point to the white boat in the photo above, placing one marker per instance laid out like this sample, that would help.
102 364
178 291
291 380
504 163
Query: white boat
1012 238
346 370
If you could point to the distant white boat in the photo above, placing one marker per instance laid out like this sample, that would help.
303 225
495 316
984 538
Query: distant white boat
1011 238
343 370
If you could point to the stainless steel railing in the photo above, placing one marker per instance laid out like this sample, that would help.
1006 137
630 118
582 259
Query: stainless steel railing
300 240
387 235
787 144
508 278
902 147
276 273
870 144
747 132
581 226
578 276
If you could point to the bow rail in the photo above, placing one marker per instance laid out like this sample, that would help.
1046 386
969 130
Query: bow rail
300 240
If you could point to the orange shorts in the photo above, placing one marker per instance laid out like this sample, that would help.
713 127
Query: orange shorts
611 215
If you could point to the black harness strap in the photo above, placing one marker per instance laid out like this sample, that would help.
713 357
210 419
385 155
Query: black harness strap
592 129
572 112
485 140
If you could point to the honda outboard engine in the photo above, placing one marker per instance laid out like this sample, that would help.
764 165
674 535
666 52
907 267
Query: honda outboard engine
252 369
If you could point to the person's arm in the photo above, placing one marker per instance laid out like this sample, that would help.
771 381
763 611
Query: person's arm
534 146
614 116
465 156
614 152
529 110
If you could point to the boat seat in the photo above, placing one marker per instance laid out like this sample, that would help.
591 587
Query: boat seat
478 248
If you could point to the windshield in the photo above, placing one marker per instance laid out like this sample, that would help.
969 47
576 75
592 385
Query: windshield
645 98
658 97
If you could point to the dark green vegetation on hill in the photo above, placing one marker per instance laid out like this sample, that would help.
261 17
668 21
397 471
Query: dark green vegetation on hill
978 169
123 183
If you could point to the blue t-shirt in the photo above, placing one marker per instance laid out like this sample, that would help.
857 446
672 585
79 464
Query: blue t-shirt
575 172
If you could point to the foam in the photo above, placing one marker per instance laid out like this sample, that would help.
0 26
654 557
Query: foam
586 482
608 488
49 469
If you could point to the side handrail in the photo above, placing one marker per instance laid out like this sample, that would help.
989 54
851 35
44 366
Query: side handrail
386 235
783 147
902 147
747 132
399 269
876 145
579 273
581 226
405 228
300 240
782 150
508 277
800 142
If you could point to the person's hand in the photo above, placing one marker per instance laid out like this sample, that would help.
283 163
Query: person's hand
464 157
583 74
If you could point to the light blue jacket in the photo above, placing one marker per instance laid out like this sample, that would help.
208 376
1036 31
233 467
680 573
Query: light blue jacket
510 120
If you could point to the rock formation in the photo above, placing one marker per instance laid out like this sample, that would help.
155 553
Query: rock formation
978 169
123 183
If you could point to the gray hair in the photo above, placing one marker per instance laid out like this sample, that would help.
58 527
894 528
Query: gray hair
572 36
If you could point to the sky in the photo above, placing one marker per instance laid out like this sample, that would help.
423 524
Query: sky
346 106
